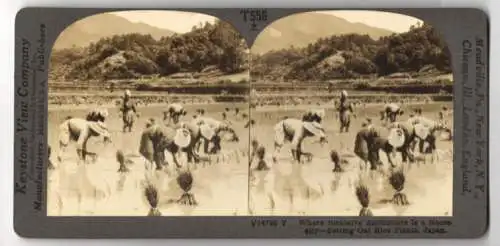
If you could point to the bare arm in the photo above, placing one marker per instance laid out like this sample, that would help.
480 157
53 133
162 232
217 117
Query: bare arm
134 108
351 108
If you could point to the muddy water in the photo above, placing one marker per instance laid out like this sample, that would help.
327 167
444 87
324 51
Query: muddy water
314 189
226 187
220 188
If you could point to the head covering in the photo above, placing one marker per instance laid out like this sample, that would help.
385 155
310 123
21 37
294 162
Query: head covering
396 137
392 106
343 93
314 127
320 113
175 108
127 93
182 137
104 112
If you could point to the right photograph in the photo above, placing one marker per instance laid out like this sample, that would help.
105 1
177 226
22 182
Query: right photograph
351 115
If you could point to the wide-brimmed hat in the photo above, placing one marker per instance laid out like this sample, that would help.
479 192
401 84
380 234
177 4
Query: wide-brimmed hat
314 128
182 137
103 112
99 128
421 130
396 137
320 112
207 131
175 108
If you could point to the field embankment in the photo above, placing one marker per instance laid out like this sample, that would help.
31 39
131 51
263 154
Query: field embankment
264 92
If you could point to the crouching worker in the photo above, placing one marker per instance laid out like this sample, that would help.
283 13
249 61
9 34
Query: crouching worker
365 146
211 131
425 131
391 112
173 113
191 149
156 139
295 131
80 131
399 139
401 136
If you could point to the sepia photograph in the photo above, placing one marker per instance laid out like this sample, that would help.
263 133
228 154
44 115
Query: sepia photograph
329 113
148 116
351 115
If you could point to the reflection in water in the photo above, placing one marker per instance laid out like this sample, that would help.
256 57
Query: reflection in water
335 181
219 188
121 182
283 184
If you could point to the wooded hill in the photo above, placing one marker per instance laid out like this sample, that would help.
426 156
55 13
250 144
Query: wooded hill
420 51
211 49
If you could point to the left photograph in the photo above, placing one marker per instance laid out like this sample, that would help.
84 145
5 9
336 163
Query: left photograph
148 116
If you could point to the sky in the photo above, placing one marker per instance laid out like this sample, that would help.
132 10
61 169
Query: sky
182 22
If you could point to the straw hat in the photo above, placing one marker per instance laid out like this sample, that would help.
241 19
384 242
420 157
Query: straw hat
320 112
104 113
396 137
421 130
182 137
207 131
392 106
175 108
314 128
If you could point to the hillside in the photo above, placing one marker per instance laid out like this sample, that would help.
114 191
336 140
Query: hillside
93 28
420 51
212 50
299 30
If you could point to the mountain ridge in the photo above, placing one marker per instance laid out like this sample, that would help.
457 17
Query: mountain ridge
90 29
299 30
